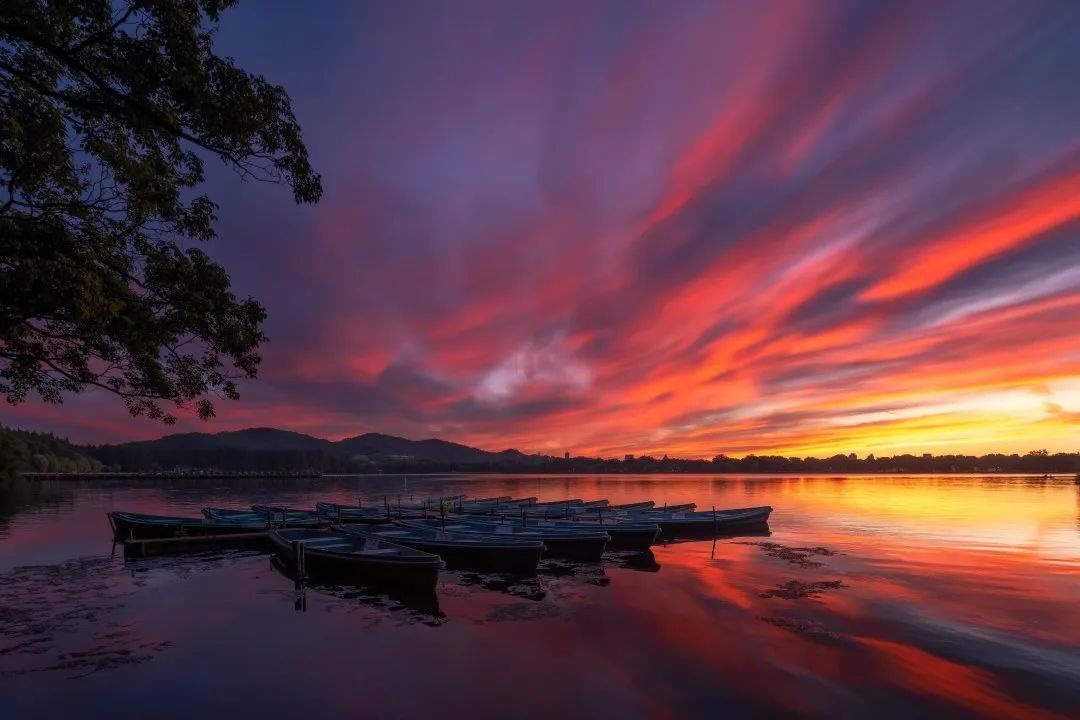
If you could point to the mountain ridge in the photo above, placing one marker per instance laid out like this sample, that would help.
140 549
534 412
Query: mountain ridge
268 443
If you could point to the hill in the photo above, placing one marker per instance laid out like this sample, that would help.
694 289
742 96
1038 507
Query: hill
379 446
273 449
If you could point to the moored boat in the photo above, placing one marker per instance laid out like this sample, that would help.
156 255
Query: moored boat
643 505
366 559
335 512
297 512
141 526
459 550
682 524
492 506
560 542
270 517
625 535
556 509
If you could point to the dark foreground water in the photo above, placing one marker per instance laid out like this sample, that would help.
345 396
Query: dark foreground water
872 597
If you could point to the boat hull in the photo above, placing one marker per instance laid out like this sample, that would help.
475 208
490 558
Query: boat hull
704 525
506 557
587 545
128 527
377 571
624 536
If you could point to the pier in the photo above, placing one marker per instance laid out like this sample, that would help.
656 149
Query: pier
173 475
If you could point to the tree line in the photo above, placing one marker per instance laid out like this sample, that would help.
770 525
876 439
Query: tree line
140 457
24 451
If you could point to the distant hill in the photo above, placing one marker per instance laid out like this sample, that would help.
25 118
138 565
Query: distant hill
273 449
376 445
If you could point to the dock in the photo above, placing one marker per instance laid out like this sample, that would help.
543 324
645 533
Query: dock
171 475
196 543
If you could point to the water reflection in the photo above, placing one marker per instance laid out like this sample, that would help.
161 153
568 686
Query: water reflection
885 596
400 604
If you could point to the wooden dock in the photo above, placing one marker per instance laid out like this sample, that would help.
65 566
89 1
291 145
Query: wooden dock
170 475
196 543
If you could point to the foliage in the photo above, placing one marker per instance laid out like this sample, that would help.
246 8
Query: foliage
24 451
108 111
270 449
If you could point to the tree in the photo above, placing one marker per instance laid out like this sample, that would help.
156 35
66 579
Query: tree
108 111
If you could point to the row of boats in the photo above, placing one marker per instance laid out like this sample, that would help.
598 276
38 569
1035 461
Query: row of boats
408 544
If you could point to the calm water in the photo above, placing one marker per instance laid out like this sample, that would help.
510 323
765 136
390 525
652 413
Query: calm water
873 596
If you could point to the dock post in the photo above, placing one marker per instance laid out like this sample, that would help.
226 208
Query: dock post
715 526
300 562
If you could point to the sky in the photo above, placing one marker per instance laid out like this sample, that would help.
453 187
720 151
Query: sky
637 227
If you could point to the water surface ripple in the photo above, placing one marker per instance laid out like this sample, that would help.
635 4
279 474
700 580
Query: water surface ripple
949 596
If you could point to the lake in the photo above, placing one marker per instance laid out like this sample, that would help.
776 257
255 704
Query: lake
873 596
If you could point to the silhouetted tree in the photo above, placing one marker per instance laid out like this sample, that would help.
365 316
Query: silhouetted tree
108 110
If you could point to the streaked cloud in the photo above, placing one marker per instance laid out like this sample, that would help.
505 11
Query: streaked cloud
688 228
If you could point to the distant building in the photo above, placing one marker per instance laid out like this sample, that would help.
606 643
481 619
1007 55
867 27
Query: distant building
628 458
927 456
566 455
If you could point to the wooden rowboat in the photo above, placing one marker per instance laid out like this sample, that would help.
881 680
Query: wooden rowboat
338 513
268 517
707 522
364 559
459 550
140 526
625 535
560 542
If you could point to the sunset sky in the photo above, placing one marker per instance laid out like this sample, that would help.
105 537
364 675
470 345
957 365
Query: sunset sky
685 228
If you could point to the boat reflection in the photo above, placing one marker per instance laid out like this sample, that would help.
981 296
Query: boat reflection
640 561
420 604
527 587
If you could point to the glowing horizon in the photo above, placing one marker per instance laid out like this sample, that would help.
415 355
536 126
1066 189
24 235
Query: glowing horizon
772 228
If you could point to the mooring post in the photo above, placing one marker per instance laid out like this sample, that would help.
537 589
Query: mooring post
298 562
715 526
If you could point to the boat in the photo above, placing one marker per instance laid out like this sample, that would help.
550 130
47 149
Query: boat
459 550
141 526
367 559
643 505
492 506
576 502
267 516
338 513
707 522
560 509
685 507
625 534
560 542
300 513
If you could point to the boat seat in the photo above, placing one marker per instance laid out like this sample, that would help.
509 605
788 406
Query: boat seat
378 551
